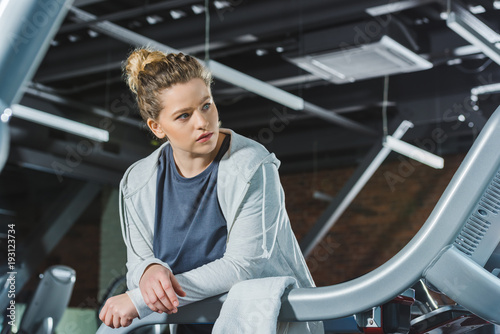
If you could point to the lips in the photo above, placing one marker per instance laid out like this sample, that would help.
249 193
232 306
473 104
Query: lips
204 137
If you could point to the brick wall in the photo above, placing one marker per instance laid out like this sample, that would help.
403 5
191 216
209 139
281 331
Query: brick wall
381 220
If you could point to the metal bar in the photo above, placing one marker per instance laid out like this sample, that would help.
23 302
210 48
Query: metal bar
65 212
26 32
223 72
65 167
352 187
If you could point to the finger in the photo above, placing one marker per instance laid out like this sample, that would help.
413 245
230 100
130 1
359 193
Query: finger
125 322
163 298
102 314
116 321
151 300
177 287
172 297
109 319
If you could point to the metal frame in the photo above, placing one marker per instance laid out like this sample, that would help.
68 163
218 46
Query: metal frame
26 33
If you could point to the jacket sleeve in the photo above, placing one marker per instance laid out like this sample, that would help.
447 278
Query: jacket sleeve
139 252
251 240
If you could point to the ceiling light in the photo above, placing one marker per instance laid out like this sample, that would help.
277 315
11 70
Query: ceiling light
475 32
413 152
7 113
477 9
221 4
384 57
395 6
60 123
73 38
177 14
92 33
54 42
496 4
154 19
198 9
261 52
247 38
280 49
486 89
461 118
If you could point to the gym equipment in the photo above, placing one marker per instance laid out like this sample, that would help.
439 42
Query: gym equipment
49 302
449 253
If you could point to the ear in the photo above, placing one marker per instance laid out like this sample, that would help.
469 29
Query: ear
155 128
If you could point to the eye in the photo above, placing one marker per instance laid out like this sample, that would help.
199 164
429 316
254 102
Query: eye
206 106
183 116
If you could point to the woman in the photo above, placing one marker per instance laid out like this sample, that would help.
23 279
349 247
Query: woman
204 211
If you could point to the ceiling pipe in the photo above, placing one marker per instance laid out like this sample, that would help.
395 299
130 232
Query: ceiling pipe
224 73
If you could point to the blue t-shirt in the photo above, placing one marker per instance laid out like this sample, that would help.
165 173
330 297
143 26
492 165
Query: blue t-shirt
190 228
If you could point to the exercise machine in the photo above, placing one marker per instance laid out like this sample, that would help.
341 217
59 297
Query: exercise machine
456 252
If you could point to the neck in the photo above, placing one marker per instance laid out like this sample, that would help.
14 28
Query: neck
190 165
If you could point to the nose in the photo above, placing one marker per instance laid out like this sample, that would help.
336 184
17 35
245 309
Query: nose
201 119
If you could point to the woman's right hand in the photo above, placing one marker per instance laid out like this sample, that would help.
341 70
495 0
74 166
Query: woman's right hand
160 288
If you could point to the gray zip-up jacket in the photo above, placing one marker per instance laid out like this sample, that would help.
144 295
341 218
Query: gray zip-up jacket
260 241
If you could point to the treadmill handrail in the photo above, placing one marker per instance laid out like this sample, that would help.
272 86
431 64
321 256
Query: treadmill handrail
408 265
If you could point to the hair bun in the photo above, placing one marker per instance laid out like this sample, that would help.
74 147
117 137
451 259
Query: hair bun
136 63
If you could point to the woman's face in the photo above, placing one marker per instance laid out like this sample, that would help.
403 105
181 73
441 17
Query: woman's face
189 119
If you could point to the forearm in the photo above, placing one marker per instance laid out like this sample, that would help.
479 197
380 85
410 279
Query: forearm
215 278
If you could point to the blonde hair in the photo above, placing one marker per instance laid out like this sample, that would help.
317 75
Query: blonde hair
148 72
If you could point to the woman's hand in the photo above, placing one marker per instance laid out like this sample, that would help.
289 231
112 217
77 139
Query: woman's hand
119 311
160 288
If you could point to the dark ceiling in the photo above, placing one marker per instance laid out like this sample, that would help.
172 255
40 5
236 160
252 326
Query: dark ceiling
80 79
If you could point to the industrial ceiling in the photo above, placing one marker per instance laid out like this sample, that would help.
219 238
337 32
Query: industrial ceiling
345 73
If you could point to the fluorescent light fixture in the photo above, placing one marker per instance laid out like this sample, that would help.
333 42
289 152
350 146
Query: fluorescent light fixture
475 32
486 89
383 57
60 123
256 86
413 152
396 6
477 9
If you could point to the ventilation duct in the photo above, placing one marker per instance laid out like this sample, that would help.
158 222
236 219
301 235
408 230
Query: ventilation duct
365 50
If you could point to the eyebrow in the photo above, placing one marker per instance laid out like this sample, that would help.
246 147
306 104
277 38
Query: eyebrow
180 111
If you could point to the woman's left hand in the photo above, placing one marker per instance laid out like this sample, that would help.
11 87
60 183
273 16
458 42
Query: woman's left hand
119 311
